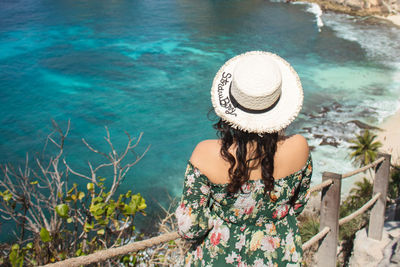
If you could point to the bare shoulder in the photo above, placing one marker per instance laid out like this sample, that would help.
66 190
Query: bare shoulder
205 146
296 144
292 154
298 141
207 158
204 152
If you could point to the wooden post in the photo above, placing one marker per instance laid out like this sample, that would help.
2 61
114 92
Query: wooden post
381 181
330 203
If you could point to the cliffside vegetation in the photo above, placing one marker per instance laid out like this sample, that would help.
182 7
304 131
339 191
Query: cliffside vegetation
55 218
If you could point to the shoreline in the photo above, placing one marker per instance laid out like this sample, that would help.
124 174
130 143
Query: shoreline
372 12
389 136
389 130
394 19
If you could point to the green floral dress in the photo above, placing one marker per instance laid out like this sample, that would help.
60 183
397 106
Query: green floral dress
244 229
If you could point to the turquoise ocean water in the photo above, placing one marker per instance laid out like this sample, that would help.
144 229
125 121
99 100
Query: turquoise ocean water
147 66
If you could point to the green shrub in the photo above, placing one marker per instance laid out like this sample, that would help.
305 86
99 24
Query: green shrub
359 195
308 226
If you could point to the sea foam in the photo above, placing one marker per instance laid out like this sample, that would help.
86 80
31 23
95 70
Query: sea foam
316 10
381 44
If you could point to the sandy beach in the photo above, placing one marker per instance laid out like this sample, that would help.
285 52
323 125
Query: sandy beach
395 19
390 137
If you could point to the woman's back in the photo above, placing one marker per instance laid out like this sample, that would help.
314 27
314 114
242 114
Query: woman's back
251 227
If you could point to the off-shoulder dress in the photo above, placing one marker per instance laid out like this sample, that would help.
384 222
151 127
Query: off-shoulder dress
248 228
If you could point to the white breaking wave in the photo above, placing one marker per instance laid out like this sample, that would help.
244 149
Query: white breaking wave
316 10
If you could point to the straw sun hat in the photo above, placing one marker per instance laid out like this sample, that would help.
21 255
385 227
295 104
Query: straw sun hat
257 92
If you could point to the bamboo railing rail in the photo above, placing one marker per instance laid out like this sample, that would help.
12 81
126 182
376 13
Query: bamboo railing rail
105 254
327 236
366 167
394 167
360 211
321 186
316 238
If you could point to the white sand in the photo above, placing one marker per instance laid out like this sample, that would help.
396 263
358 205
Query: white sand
395 19
390 137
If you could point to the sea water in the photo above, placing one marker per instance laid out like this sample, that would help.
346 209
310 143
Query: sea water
147 66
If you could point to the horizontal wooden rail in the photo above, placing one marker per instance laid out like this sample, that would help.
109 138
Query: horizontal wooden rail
316 238
366 167
105 254
395 167
360 211
321 185
392 201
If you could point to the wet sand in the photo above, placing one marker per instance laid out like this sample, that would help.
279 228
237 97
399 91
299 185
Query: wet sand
390 137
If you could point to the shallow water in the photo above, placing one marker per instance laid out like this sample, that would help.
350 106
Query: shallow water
147 66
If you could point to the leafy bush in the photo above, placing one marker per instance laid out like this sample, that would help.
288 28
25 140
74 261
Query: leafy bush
359 195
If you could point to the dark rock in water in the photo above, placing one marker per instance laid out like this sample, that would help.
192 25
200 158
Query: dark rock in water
337 105
307 129
312 148
318 135
327 142
363 125
325 110
312 116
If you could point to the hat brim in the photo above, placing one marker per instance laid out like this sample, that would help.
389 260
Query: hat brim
273 120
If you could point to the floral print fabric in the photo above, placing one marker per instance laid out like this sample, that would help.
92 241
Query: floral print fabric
247 228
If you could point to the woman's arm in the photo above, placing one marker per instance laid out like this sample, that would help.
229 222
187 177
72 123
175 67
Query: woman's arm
193 211
303 191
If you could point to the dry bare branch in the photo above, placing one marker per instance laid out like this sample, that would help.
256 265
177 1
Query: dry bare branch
37 189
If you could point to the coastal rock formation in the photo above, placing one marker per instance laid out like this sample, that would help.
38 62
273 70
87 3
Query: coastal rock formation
381 6
361 7
368 252
391 254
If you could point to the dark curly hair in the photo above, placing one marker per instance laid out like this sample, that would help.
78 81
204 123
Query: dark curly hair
265 147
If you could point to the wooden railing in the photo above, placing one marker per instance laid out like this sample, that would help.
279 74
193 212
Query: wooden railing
329 211
329 219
